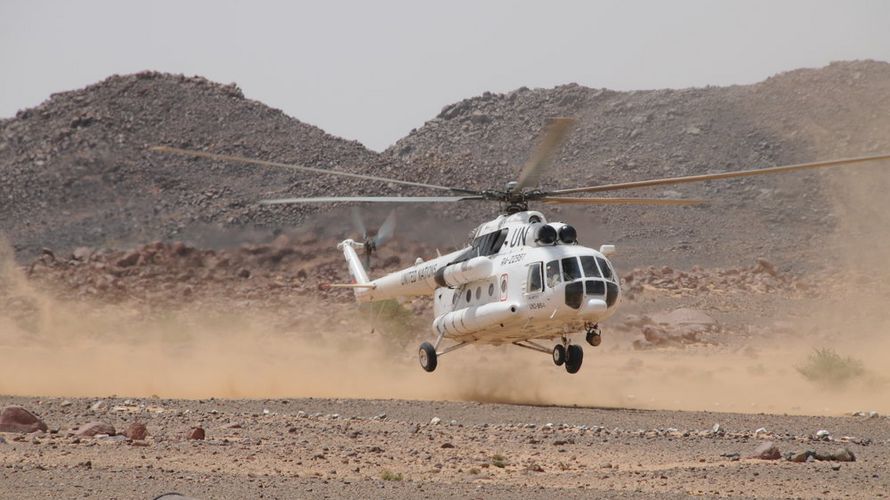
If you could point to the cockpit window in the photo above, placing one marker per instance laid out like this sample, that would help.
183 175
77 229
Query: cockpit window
534 278
604 267
588 264
570 269
553 276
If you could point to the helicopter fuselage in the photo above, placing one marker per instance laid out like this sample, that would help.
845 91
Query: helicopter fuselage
520 279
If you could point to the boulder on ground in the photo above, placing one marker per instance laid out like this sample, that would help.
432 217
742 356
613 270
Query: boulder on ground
93 428
195 433
837 455
18 419
136 431
767 451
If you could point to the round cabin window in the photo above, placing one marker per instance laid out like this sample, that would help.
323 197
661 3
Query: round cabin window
490 289
478 292
503 284
469 295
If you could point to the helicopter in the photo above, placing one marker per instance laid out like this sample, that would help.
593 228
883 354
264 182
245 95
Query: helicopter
522 279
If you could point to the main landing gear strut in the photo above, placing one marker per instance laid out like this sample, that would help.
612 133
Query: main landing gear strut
429 353
566 354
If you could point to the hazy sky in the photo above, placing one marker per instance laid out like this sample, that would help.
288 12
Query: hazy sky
373 70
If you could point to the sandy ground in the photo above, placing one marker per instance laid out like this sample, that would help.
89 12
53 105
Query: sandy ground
313 448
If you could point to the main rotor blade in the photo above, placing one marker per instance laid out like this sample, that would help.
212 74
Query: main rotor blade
558 200
372 199
555 134
241 159
359 224
386 230
722 175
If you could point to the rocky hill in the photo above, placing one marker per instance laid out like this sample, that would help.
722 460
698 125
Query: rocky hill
802 115
75 171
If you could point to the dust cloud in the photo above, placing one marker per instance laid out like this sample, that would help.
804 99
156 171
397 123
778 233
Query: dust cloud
80 349
57 347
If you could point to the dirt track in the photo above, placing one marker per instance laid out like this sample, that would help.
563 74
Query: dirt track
342 448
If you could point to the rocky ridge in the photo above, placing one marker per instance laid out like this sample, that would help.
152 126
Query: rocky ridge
75 170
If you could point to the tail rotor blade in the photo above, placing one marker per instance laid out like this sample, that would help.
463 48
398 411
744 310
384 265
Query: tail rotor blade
387 230
358 223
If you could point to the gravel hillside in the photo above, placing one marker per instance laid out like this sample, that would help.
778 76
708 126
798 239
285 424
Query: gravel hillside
75 170
798 116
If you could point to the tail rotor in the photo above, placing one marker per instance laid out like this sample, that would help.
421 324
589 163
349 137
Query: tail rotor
383 235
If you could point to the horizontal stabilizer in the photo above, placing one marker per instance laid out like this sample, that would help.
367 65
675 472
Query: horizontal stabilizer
348 285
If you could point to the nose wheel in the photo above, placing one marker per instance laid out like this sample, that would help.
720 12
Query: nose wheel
594 335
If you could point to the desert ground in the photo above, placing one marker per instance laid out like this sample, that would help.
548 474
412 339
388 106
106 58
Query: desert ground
332 447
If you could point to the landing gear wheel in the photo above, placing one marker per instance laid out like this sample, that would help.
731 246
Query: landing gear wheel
594 338
559 355
574 357
428 358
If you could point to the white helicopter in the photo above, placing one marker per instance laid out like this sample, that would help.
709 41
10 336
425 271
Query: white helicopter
522 279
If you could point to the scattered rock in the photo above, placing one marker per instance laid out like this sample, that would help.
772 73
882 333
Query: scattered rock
136 431
82 253
799 456
195 433
100 406
128 260
836 455
822 435
17 419
535 468
767 451
447 445
94 428
435 421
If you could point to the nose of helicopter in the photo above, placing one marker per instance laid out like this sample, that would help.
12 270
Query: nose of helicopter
595 306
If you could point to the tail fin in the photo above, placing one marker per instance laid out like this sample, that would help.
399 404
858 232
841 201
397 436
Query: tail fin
356 270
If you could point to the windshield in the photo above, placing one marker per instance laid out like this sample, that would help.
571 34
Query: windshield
570 269
604 267
588 264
